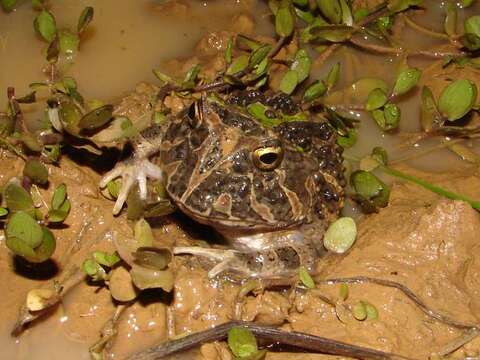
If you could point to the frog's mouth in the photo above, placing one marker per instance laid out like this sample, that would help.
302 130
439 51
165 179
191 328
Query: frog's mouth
247 226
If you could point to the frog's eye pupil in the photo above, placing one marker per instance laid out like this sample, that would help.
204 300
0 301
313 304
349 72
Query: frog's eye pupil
268 158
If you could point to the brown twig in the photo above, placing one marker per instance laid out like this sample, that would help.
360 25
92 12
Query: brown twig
26 317
456 344
272 335
407 292
424 30
108 333
398 51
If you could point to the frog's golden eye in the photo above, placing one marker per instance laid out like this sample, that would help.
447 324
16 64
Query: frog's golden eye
268 157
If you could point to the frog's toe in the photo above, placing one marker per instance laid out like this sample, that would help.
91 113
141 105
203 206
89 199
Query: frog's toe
131 173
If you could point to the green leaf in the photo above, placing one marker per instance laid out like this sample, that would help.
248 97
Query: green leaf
470 41
90 267
23 227
258 111
3 211
344 292
359 311
360 89
380 155
96 118
106 259
366 184
371 311
191 77
35 255
238 65
430 118
242 342
229 51
18 199
384 23
8 5
332 33
332 10
164 78
380 117
301 64
145 278
457 99
314 91
360 14
289 82
59 196
392 116
406 81
450 24
305 278
284 20
60 214
370 191
114 187
466 3
306 16
348 140
143 234
347 17
340 235
258 55
376 99
85 18
333 76
45 25
245 43
472 25
38 4
153 258
36 171
68 42
396 6
46 248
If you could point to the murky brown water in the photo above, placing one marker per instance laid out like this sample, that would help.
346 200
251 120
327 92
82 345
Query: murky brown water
127 40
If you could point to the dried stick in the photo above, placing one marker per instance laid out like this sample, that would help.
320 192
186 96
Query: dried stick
407 292
272 335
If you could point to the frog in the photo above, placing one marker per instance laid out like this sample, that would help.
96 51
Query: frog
269 191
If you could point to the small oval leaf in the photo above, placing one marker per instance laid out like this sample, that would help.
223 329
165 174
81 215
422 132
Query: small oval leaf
96 118
457 99
406 80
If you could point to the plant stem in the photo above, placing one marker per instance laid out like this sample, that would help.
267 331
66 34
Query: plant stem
429 186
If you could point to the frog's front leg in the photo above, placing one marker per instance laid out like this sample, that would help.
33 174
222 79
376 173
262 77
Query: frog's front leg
266 255
137 168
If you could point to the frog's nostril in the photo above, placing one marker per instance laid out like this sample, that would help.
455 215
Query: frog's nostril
268 158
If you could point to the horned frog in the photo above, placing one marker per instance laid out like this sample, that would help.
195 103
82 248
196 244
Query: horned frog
270 191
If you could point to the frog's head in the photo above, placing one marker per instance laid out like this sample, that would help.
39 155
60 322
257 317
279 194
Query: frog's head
226 170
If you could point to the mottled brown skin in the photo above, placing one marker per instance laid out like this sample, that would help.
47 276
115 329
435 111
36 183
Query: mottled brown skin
212 178
207 160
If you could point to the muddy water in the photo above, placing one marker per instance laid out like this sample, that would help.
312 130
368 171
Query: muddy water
125 42
128 39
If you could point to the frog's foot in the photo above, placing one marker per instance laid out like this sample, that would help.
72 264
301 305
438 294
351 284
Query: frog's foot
228 260
132 172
